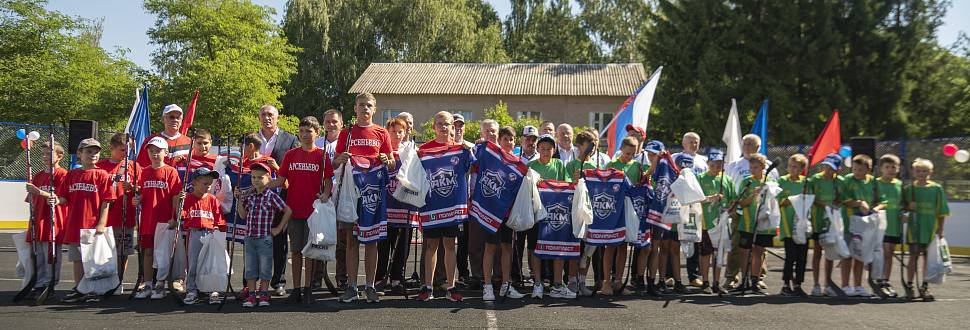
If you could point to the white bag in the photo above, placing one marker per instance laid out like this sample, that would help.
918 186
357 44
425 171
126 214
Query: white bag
878 260
24 258
582 211
527 207
322 223
686 249
690 231
320 252
863 230
938 262
687 188
412 180
631 221
802 203
347 195
212 270
675 212
769 217
98 258
723 245
162 253
833 241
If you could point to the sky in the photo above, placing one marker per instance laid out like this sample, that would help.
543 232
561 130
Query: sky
126 23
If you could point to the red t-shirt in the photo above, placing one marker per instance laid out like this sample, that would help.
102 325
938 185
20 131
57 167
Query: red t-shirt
260 159
202 212
303 170
177 146
85 192
117 208
208 161
158 187
364 141
42 211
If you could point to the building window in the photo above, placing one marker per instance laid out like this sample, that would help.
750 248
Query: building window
528 114
599 120
465 114
388 114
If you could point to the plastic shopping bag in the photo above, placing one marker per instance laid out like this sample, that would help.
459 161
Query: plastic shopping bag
162 253
212 274
98 259
322 223
25 257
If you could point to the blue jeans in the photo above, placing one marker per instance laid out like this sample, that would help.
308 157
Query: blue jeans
259 258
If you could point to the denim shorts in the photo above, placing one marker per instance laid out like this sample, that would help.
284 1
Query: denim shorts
259 258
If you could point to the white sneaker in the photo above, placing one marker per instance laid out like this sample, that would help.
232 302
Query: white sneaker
816 291
145 292
191 298
849 291
280 290
488 293
861 292
214 298
159 293
562 292
585 291
511 292
120 291
537 291
830 292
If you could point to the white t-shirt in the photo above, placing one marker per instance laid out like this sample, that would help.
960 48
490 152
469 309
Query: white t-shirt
739 170
567 155
700 162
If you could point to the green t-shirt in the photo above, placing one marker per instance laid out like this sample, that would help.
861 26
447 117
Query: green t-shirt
891 195
789 187
554 170
748 224
860 190
711 184
632 169
931 204
575 164
825 191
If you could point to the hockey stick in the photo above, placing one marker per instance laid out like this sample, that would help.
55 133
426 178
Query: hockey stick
138 247
178 229
52 246
745 280
231 241
32 230
125 239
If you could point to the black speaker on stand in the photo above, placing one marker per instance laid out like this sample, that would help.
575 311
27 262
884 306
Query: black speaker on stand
79 130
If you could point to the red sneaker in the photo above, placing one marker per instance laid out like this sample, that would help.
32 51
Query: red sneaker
425 294
250 301
263 299
453 295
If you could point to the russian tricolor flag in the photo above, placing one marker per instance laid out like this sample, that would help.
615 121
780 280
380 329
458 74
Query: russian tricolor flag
634 111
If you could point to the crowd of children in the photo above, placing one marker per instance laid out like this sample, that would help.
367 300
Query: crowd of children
176 183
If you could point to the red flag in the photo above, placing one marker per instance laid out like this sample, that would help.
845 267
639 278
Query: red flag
827 142
189 114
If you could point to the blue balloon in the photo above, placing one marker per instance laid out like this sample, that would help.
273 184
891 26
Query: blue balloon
21 134
845 151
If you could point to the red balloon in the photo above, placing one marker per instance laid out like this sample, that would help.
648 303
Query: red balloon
950 149
24 143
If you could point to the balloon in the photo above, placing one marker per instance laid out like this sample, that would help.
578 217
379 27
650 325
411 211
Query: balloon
847 162
950 149
845 151
33 136
961 156
26 143
21 134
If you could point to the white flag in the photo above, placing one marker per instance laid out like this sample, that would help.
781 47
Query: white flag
732 135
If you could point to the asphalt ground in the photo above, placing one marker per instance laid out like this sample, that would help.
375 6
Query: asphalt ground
949 311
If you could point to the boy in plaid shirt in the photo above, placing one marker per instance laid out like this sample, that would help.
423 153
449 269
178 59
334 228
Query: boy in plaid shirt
259 208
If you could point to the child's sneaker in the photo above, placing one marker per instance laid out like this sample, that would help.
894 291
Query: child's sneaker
453 295
488 293
191 298
830 291
562 292
145 292
537 291
264 299
91 297
159 293
798 292
861 292
120 290
72 297
214 298
370 293
849 291
350 294
250 301
909 291
816 290
509 291
178 286
425 294
924 291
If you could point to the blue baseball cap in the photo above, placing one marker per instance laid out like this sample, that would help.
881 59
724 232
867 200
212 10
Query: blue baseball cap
654 146
833 160
203 172
684 160
715 154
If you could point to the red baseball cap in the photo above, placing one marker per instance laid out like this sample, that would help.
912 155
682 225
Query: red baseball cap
643 134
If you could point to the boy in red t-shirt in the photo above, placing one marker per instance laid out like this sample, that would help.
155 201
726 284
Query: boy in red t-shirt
88 194
303 171
201 216
38 194
369 140
157 187
123 173
178 144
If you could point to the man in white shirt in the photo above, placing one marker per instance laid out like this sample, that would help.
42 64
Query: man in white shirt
738 169
409 129
333 122
692 143
565 150
528 148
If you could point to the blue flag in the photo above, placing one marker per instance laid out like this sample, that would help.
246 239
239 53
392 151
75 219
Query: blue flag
760 127
138 128
665 174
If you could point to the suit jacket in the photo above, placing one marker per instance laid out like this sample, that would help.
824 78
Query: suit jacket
284 142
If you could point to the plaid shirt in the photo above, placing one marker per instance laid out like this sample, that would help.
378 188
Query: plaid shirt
262 209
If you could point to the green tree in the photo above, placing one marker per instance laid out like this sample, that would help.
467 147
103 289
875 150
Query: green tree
229 50
52 69
618 27
538 33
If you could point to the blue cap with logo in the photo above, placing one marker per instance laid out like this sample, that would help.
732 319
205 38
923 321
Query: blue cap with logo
654 146
833 160
715 154
684 160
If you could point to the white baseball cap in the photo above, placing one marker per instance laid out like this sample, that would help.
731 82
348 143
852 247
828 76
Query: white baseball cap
170 108
530 131
159 142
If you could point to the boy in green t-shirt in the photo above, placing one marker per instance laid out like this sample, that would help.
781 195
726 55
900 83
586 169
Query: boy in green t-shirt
826 186
927 204
586 143
719 190
751 241
796 255
890 190
549 169
859 199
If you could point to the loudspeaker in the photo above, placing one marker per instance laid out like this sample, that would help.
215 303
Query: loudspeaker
864 145
79 130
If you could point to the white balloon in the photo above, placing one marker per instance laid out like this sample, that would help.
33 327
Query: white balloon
962 156
33 136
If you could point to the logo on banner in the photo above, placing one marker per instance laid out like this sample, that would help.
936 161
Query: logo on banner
603 205
443 182
558 216
370 197
492 183
639 205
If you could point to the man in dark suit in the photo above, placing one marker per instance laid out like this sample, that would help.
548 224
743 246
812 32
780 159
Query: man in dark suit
275 143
